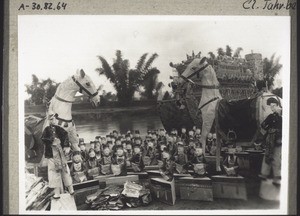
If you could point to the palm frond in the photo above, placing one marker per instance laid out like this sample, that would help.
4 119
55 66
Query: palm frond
106 70
150 61
141 62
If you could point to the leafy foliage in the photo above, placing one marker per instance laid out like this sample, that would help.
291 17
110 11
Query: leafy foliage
228 51
42 91
127 81
271 69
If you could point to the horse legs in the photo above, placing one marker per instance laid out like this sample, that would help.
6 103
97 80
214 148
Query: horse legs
73 138
208 116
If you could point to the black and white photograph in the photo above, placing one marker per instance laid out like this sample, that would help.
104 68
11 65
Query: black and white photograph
139 114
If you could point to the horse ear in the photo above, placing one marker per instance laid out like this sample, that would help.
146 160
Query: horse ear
82 73
202 60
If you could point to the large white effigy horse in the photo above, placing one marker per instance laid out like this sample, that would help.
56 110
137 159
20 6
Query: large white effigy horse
60 108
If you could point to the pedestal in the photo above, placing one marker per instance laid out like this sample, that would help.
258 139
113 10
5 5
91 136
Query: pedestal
195 188
163 190
268 191
229 187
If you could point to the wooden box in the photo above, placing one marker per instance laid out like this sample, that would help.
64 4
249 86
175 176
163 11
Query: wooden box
102 179
163 190
154 174
176 178
229 187
143 178
83 189
195 188
120 180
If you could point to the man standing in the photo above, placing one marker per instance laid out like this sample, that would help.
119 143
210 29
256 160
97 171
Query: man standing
56 141
272 159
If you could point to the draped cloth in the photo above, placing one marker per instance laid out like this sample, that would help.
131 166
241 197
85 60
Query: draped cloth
239 116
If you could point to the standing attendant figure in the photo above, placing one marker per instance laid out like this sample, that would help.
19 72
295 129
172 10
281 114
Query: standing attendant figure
56 140
272 159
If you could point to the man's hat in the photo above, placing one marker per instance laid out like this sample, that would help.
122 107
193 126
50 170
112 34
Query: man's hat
137 132
97 137
92 142
105 146
136 146
119 147
127 135
180 143
272 100
115 131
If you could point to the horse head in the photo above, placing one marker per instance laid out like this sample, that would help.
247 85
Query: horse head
199 68
86 86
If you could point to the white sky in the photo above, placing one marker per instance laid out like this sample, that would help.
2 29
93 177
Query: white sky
55 46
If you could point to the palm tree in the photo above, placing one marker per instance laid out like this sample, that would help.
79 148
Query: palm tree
127 81
228 51
151 85
270 69
237 52
220 52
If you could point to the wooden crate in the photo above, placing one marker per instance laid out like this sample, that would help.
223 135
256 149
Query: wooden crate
86 184
81 194
154 174
120 180
229 187
176 177
163 190
102 179
195 188
143 178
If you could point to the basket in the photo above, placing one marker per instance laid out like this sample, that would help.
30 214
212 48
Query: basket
93 172
179 168
136 167
146 160
116 169
105 169
160 163
199 168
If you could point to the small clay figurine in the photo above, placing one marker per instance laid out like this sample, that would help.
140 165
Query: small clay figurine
181 159
92 144
137 159
209 143
230 164
68 153
191 149
199 162
92 164
105 161
168 167
128 153
119 162
198 135
162 136
98 152
213 149
150 152
84 152
183 135
78 169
